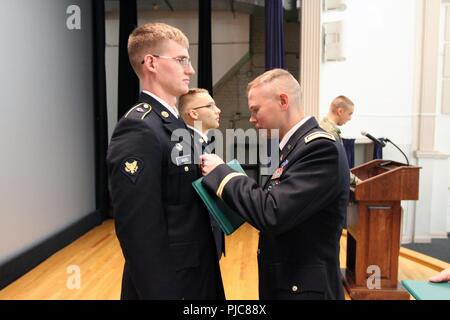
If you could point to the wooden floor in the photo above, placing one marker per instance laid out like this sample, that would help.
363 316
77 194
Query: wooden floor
100 261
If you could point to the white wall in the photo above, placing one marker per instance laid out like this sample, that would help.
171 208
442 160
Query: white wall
378 74
230 42
443 121
379 44
46 128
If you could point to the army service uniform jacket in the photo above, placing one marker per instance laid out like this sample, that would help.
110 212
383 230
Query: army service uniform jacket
162 225
332 128
299 213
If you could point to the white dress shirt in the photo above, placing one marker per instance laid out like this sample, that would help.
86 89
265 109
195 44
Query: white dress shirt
291 132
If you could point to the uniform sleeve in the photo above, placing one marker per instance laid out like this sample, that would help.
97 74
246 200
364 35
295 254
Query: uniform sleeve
306 187
354 180
140 220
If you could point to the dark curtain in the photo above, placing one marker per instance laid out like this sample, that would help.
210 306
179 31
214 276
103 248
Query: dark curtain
128 91
349 146
274 35
100 109
377 151
274 44
204 46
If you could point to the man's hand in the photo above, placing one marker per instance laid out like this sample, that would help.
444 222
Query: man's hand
209 162
441 277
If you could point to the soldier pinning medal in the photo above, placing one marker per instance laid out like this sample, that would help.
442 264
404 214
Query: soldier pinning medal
300 211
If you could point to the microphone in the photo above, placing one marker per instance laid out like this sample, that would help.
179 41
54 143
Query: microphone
382 143
375 140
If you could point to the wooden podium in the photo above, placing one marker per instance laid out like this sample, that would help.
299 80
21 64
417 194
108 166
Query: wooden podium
373 228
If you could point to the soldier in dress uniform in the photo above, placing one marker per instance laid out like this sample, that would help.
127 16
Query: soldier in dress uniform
341 111
201 114
300 211
162 225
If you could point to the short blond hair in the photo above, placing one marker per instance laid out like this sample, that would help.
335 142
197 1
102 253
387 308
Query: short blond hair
341 102
280 79
187 97
149 37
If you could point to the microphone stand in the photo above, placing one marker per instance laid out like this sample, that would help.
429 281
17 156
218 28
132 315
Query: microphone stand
387 140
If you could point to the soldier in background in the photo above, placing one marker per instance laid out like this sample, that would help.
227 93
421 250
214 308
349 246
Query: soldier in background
198 106
341 111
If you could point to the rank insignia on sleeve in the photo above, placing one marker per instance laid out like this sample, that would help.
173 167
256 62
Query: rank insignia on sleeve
132 167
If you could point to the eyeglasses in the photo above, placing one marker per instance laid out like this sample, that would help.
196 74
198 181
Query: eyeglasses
184 61
211 106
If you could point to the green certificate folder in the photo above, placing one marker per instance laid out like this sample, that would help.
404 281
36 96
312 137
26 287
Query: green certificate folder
424 290
226 218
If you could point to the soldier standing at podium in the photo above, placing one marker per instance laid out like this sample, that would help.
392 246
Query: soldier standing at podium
300 211
198 107
162 226
341 111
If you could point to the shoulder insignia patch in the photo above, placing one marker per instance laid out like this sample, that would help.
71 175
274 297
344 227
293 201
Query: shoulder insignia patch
139 111
132 167
319 135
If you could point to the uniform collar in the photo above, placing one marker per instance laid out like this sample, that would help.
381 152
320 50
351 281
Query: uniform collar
172 110
160 109
204 136
169 121
291 132
309 125
333 125
302 128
